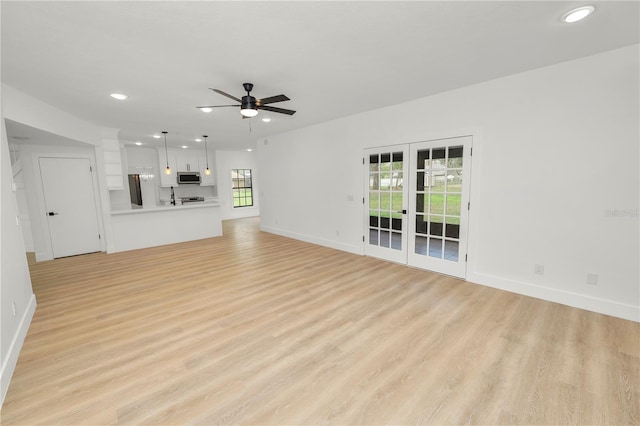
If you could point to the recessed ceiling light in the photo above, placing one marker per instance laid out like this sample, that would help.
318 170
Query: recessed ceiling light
578 14
119 96
184 147
198 140
266 119
138 143
249 149
206 109
156 136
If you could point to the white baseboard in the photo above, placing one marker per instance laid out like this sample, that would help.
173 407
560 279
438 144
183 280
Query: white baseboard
239 214
355 249
43 255
576 300
9 363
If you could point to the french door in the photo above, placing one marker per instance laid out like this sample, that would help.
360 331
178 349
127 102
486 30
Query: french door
417 205
386 202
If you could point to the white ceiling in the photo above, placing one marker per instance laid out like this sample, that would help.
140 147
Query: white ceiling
331 58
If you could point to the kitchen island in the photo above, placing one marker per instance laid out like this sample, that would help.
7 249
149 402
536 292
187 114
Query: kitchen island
156 226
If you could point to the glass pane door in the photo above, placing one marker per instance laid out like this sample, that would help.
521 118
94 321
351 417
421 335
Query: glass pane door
438 206
386 202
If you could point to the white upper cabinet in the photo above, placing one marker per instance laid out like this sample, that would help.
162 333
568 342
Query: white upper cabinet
187 161
167 180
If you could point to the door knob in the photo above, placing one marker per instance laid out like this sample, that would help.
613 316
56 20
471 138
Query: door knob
52 213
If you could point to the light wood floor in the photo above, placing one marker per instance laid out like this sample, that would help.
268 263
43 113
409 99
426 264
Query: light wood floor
254 328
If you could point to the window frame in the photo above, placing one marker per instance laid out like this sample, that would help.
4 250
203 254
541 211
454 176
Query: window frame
242 184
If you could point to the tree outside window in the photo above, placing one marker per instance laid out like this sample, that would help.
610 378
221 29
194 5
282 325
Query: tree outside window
242 187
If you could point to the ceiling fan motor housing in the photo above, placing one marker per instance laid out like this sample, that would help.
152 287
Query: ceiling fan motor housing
248 102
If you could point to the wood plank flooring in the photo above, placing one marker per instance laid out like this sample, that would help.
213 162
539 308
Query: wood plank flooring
254 328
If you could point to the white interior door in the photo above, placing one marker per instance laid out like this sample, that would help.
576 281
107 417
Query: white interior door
386 203
70 205
438 205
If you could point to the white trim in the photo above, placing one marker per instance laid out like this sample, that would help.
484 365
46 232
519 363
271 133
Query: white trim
350 248
241 213
9 364
576 300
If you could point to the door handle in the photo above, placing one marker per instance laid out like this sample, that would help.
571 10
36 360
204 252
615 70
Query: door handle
52 213
402 211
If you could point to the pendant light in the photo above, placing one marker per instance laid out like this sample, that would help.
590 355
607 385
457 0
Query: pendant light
207 171
167 171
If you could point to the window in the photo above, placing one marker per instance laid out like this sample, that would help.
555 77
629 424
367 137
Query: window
242 187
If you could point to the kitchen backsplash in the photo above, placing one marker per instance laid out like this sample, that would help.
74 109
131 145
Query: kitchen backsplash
188 191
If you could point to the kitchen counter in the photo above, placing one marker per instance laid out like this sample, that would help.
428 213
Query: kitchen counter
153 209
156 226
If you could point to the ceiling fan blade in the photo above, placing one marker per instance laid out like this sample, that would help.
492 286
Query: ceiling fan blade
279 110
216 106
226 94
272 99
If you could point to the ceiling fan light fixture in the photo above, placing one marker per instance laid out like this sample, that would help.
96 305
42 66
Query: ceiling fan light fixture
578 14
248 107
249 112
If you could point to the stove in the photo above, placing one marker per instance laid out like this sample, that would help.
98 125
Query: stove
191 199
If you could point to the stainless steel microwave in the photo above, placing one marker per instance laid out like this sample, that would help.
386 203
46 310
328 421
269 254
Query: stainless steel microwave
189 177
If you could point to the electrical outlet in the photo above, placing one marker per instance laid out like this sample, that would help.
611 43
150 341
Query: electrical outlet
538 269
592 279
13 306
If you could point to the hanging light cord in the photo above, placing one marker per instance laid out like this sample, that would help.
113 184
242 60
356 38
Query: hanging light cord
206 153
166 153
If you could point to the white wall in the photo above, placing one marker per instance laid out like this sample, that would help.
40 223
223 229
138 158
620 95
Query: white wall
555 178
15 282
225 161
25 109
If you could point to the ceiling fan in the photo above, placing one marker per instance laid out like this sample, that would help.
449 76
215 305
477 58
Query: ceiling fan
249 105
